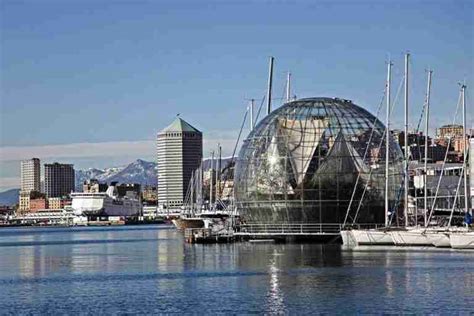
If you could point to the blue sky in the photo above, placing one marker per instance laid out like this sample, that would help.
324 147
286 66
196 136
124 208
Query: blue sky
116 72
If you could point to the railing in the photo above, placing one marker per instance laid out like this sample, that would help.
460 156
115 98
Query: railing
297 229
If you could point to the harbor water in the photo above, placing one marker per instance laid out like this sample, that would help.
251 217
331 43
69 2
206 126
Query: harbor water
149 269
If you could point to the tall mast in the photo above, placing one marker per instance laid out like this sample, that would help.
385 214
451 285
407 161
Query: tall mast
192 194
211 180
288 86
464 133
427 120
252 123
218 172
407 148
269 91
387 138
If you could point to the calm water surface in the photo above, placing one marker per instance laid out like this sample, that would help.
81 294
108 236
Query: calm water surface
149 269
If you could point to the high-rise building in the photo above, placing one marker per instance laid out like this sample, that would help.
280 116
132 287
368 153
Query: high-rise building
179 154
58 179
30 175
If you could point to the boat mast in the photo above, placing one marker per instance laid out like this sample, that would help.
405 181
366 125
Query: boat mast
252 123
464 164
211 180
269 91
387 138
427 120
407 148
288 86
192 194
218 171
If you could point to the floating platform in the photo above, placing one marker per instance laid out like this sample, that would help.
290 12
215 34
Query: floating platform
206 236
322 233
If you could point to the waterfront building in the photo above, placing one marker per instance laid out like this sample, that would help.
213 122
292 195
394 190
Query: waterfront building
459 143
38 204
149 195
24 201
450 130
179 153
58 179
30 175
58 203
302 162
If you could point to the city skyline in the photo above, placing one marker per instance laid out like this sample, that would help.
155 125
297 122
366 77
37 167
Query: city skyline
94 83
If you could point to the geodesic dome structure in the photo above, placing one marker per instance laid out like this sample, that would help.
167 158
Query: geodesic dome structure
301 163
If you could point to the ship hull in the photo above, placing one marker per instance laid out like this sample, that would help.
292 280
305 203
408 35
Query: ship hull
439 239
372 237
100 204
411 237
462 240
183 223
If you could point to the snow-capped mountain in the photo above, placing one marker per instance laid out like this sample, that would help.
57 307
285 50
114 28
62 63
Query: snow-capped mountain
100 174
139 171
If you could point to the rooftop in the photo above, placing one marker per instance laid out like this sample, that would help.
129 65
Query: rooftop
180 125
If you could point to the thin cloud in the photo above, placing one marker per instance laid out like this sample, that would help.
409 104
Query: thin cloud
79 150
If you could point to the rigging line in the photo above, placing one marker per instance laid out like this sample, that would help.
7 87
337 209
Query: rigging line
423 110
443 165
260 108
365 154
379 148
236 145
283 97
456 196
397 201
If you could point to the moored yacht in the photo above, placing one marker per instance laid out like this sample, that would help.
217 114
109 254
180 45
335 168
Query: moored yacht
462 240
412 236
372 237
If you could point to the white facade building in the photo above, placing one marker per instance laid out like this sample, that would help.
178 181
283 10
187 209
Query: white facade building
30 175
179 153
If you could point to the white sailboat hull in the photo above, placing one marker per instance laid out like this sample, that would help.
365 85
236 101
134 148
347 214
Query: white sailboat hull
371 237
462 240
412 237
439 239
348 238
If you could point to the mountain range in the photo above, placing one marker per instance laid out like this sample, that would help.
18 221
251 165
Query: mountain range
139 171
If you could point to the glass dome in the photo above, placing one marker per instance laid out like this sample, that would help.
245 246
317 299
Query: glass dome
301 163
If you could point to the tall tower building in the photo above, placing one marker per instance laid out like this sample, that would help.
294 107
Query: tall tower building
58 179
30 175
179 154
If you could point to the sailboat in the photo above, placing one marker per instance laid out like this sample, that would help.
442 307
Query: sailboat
411 235
354 237
462 240
465 239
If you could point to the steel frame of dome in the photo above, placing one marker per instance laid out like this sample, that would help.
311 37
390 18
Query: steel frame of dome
301 163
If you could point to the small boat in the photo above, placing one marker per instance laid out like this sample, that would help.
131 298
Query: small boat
462 240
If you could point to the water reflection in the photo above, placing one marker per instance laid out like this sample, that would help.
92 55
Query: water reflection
274 296
112 269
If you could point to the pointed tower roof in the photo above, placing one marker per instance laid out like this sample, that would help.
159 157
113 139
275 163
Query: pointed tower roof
180 125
